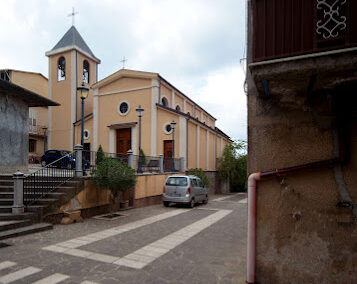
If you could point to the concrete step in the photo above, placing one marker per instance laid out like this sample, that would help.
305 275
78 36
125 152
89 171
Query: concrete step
10 194
25 230
14 224
5 208
42 201
24 216
6 188
6 201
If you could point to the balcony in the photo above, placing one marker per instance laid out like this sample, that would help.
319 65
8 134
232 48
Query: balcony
36 130
285 28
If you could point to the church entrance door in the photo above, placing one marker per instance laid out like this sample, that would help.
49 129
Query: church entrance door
167 155
123 140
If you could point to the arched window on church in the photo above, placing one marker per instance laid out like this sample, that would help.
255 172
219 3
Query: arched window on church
85 71
178 108
164 102
61 69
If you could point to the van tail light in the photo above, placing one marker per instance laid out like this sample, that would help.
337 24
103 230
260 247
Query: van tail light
189 190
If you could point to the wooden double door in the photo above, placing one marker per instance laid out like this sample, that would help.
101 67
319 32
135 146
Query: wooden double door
168 163
123 140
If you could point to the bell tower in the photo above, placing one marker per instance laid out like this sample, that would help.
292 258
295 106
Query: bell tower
70 63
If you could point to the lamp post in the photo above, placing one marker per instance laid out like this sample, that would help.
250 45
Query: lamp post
82 91
139 112
44 128
173 124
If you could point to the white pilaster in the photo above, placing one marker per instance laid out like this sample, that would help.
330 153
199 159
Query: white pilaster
184 106
221 146
154 100
73 97
95 119
112 140
49 133
207 149
183 138
198 147
134 139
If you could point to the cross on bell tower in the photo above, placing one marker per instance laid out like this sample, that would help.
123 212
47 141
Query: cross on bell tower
73 14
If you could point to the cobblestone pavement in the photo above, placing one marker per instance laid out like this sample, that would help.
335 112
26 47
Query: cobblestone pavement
149 245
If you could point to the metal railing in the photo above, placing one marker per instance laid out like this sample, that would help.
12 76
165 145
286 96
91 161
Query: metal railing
172 165
146 164
92 158
38 184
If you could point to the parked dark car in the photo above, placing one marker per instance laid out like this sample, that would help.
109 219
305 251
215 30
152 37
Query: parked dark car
64 160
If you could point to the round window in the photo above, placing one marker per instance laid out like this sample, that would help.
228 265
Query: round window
86 134
167 128
123 108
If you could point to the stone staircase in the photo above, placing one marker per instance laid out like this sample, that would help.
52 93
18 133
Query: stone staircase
13 225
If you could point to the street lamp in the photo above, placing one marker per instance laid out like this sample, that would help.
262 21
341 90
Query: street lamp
139 113
173 124
44 128
82 92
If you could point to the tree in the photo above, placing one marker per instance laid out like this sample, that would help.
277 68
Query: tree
114 175
201 174
233 165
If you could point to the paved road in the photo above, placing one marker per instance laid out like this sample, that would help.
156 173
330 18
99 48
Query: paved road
149 245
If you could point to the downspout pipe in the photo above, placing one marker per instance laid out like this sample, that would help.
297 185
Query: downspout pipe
252 204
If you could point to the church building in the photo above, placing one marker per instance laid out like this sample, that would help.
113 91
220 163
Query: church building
110 119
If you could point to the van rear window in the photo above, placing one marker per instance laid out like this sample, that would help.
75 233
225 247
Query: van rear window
177 181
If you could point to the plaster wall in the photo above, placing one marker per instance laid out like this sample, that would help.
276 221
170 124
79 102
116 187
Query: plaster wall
108 114
88 106
165 117
60 131
179 101
14 134
166 92
192 145
302 235
203 148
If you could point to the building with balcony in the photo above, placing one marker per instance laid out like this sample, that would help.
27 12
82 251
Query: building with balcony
38 116
302 140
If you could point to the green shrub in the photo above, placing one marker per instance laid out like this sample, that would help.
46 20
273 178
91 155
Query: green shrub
201 174
100 155
233 165
113 174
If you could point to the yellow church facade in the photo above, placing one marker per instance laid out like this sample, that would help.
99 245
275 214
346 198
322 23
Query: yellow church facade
110 110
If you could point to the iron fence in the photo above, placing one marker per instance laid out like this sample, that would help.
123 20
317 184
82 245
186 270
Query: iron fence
38 184
146 164
171 164
92 158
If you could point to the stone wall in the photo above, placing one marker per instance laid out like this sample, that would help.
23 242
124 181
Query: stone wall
217 185
14 134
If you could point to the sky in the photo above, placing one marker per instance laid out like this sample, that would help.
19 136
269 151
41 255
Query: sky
197 45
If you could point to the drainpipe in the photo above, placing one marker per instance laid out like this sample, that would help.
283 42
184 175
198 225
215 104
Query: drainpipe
252 203
252 188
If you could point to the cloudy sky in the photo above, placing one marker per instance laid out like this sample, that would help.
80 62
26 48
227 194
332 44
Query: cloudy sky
196 45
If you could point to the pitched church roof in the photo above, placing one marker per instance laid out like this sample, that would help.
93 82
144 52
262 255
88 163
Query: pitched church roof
72 40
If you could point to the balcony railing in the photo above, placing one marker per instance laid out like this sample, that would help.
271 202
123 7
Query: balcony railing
284 28
36 129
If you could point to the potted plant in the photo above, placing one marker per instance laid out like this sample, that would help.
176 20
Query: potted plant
114 175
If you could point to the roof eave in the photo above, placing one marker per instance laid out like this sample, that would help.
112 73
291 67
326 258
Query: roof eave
71 47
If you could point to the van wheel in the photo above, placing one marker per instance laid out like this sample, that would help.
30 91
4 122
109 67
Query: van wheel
166 203
192 203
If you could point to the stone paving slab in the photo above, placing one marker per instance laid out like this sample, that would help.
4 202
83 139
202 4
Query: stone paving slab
214 255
